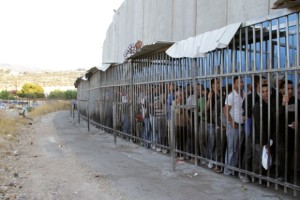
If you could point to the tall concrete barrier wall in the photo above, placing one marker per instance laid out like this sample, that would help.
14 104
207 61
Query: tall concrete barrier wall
175 20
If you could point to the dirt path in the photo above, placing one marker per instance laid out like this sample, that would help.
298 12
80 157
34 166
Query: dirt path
40 167
56 158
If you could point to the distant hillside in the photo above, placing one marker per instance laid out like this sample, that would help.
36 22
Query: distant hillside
14 80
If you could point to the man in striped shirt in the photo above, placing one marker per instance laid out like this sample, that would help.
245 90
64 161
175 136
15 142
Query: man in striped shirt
132 49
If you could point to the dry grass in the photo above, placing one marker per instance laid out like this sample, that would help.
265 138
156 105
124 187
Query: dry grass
50 106
9 126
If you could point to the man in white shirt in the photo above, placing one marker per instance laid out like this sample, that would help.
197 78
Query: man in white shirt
233 113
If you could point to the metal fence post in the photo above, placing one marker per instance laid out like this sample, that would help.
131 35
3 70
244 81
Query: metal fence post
172 137
78 110
88 115
115 122
73 110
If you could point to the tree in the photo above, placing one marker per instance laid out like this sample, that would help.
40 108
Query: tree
4 94
31 90
70 94
56 94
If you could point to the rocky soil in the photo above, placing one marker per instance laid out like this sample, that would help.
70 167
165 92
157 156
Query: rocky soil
38 166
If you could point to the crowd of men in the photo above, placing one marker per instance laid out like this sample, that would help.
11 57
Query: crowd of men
230 124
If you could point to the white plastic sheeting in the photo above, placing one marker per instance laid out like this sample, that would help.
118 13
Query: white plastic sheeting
201 44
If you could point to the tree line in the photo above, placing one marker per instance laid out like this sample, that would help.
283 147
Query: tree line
34 91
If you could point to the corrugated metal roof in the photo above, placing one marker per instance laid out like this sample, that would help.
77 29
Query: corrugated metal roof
149 49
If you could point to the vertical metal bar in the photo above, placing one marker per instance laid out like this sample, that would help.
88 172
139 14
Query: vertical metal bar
246 98
277 100
296 107
196 149
88 105
296 136
287 63
130 103
172 135
222 131
297 40
115 122
88 115
78 110
241 136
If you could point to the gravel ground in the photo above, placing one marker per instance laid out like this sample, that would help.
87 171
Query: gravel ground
38 166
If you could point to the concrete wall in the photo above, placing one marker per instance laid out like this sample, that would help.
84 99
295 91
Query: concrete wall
175 20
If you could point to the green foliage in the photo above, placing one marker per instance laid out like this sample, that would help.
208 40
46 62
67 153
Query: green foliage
56 94
5 95
32 91
63 95
70 94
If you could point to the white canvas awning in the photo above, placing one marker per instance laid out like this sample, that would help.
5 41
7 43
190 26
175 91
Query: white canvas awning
201 44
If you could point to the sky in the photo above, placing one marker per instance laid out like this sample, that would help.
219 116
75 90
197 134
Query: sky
54 34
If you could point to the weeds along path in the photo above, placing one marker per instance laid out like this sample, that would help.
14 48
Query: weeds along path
38 166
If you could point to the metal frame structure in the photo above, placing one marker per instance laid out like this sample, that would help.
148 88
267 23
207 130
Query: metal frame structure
127 96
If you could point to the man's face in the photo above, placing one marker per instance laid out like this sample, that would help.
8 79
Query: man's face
138 45
290 90
238 84
279 82
265 94
190 90
199 89
216 86
171 87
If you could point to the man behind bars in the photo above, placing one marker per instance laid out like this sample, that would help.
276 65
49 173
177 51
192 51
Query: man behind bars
213 131
289 101
261 129
246 154
233 113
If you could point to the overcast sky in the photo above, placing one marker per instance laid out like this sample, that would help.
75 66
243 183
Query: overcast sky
54 34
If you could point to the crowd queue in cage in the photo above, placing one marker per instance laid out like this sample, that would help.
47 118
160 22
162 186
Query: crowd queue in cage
234 110
232 125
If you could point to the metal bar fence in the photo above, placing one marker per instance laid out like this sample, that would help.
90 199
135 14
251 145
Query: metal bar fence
227 106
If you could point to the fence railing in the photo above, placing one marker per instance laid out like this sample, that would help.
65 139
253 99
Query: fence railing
227 106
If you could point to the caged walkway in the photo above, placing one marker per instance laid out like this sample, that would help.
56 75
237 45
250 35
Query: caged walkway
183 104
137 171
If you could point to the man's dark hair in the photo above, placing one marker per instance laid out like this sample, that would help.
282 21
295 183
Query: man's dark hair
264 85
212 81
282 84
235 78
